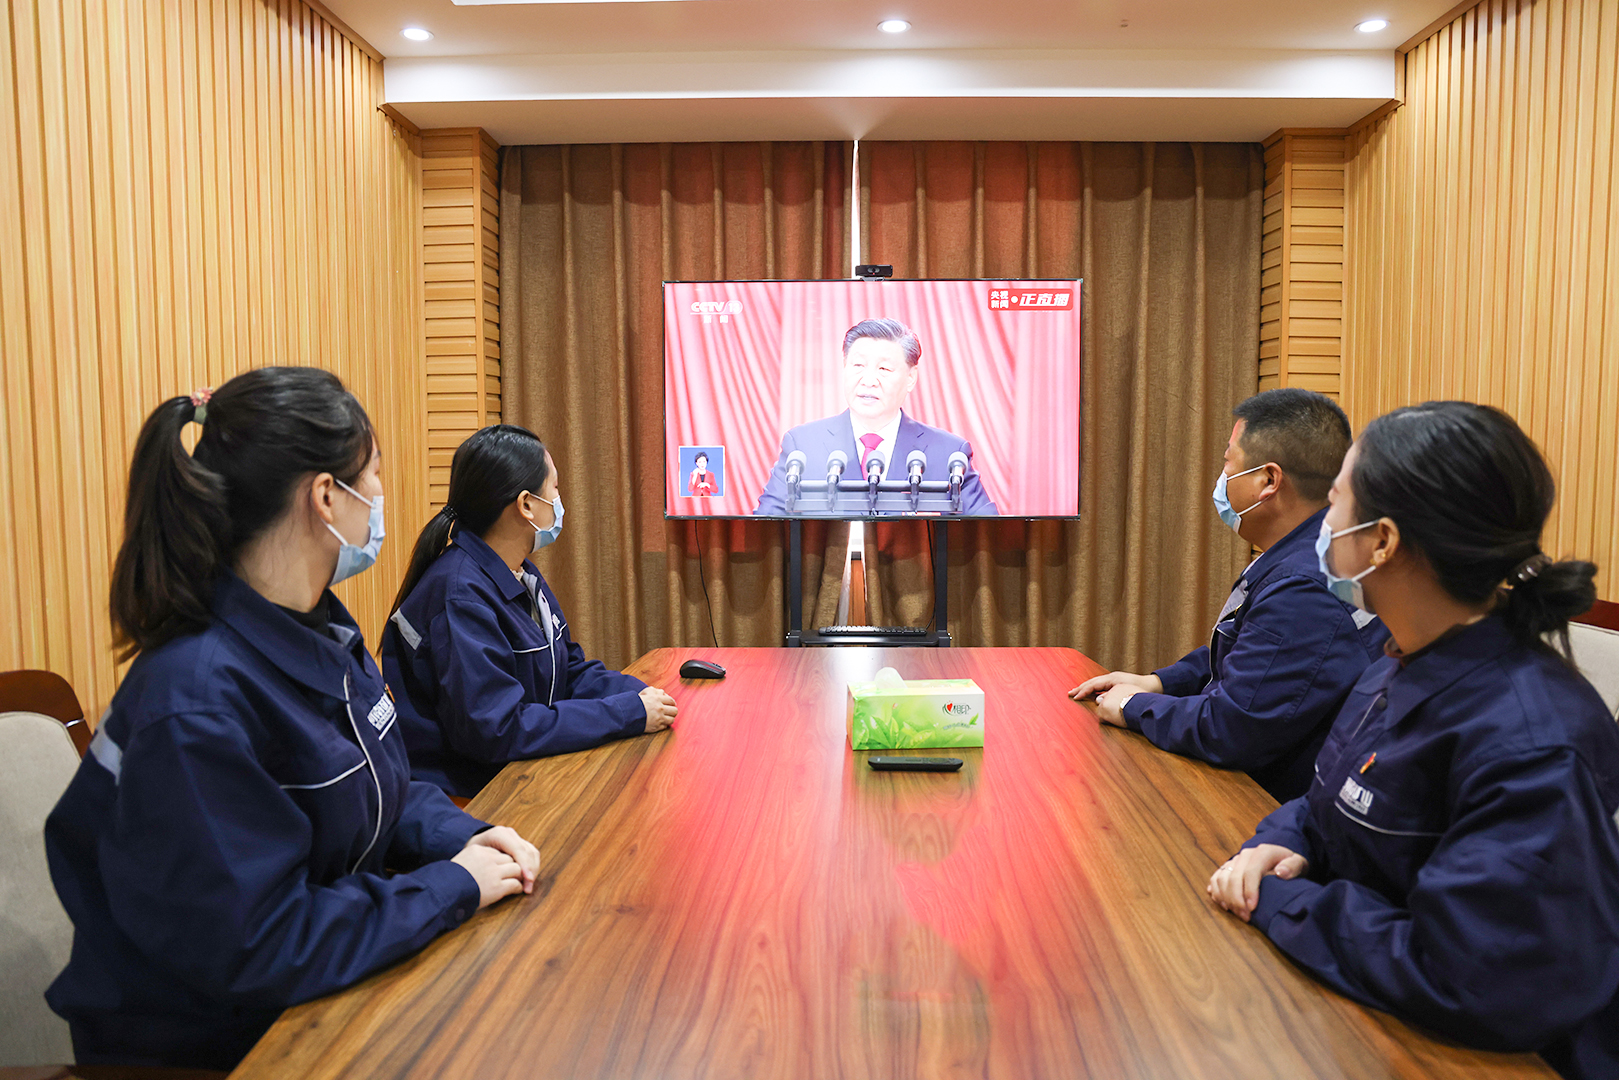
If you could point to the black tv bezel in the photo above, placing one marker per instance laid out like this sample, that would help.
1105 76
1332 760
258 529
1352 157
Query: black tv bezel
663 353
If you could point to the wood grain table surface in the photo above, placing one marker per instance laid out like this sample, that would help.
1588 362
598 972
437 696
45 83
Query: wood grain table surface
742 897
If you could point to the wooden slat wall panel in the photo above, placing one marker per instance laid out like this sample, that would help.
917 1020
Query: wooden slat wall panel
1483 239
1302 261
461 313
190 188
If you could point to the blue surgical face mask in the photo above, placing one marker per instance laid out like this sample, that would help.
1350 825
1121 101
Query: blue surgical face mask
548 536
351 559
1223 505
1349 590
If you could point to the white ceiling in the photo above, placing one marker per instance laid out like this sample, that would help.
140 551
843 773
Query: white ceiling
756 69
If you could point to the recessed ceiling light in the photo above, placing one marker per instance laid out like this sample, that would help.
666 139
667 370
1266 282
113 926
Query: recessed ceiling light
1372 26
416 33
893 26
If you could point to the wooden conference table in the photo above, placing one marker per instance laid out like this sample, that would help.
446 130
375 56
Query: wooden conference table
743 897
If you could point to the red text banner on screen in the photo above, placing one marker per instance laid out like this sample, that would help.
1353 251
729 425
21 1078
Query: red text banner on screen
749 364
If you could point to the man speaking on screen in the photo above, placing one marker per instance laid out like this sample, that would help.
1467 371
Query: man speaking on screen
879 370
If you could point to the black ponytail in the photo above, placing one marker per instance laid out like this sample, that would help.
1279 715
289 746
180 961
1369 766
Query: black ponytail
489 471
1471 492
189 515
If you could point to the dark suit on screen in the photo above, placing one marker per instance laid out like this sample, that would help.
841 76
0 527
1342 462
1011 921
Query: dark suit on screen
819 438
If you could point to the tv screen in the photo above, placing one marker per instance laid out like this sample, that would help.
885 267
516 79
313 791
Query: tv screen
858 399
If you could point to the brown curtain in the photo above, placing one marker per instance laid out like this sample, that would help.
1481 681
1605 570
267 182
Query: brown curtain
587 236
1166 236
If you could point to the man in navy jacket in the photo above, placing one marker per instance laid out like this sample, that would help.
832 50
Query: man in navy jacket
1284 652
879 372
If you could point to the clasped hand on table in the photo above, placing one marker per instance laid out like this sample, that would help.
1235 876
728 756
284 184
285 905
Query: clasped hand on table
1112 690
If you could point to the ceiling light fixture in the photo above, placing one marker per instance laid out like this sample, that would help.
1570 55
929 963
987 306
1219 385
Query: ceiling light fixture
893 26
416 33
1372 26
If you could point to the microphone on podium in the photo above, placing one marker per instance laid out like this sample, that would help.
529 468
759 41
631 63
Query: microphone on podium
916 464
836 462
796 463
875 464
958 475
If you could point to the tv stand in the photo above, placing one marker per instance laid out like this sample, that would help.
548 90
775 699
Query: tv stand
798 636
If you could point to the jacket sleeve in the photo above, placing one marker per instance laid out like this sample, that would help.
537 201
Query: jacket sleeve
592 680
1295 656
205 866
1510 937
483 708
1288 826
431 827
773 500
1187 675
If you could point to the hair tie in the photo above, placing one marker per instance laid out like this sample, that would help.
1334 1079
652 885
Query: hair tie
449 513
199 403
1529 569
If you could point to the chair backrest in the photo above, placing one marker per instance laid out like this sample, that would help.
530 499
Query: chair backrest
1594 639
48 694
36 764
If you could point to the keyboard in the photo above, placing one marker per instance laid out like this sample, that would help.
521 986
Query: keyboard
862 631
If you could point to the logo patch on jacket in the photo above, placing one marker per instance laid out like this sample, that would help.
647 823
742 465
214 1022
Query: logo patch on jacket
381 713
1356 796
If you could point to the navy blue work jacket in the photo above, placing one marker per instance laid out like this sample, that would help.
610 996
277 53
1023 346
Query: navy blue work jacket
485 672
221 848
1466 877
1261 696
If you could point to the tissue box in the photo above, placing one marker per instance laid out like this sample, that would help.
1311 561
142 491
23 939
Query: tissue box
923 712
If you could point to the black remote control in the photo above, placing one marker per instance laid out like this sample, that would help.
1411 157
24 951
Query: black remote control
915 764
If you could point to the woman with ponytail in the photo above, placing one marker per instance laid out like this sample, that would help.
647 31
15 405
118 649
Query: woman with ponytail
477 651
1456 860
221 850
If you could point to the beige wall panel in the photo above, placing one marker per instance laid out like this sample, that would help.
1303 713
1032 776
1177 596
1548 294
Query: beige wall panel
461 265
1484 250
190 189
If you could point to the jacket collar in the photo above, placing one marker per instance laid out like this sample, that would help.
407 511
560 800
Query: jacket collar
1443 663
305 656
905 438
484 557
1301 538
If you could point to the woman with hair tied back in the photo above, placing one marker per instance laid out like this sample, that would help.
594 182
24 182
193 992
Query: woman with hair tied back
477 649
1456 860
222 848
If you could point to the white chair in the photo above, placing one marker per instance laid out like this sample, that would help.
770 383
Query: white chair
37 759
1596 654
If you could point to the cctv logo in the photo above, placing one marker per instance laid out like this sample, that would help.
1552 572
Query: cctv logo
710 308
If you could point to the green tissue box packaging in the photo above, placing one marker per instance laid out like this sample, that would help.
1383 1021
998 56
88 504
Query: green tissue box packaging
891 714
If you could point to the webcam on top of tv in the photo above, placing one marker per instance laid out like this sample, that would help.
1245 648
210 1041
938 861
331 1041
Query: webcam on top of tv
873 271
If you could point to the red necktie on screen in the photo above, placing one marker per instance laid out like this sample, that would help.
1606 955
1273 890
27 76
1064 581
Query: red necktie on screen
868 442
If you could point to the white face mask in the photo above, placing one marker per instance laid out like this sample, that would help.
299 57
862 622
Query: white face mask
352 559
548 536
1222 504
1349 590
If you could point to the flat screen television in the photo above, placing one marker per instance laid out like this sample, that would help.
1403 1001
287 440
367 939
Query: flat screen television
870 399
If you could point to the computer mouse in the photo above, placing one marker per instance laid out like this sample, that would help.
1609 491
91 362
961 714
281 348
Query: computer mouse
701 669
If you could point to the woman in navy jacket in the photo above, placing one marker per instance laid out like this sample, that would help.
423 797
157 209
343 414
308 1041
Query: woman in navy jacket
221 849
477 651
1456 860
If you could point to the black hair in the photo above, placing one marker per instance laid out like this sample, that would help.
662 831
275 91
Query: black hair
1304 432
885 330
700 457
489 471
1470 491
189 515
